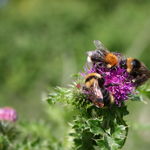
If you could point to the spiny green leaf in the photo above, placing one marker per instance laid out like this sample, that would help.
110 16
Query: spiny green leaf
102 144
136 97
95 126
60 95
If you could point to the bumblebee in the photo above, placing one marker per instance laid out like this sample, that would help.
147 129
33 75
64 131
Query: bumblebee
101 54
99 95
136 69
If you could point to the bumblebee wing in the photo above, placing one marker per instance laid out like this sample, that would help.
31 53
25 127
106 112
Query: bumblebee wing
98 44
99 102
145 70
143 74
97 91
97 55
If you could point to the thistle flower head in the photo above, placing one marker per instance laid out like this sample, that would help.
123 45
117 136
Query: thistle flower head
117 81
120 76
8 114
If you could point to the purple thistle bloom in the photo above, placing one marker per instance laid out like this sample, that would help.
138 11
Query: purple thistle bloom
119 76
8 114
117 81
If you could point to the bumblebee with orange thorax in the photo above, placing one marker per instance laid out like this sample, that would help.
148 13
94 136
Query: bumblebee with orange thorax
100 96
101 54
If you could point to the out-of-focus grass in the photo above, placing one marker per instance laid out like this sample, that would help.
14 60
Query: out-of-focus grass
43 42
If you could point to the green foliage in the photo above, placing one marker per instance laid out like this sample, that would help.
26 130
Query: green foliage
12 137
7 135
141 94
93 127
60 95
145 90
106 128
27 136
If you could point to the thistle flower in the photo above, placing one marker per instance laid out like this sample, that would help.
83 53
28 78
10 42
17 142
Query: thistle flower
121 75
117 81
8 114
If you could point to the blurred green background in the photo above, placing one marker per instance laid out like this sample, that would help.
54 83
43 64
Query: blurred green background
43 42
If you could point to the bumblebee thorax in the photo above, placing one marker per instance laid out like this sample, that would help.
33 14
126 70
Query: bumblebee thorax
111 59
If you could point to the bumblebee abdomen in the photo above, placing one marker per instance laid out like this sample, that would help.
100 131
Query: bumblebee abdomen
107 97
91 78
90 83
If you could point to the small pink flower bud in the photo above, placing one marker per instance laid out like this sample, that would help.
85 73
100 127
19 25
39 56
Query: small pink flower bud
8 114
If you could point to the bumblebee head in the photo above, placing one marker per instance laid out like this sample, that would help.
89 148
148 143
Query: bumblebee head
99 103
96 56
